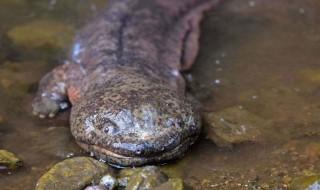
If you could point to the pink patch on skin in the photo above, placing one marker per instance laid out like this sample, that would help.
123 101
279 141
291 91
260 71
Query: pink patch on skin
73 94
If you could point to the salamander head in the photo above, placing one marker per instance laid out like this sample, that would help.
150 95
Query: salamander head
134 122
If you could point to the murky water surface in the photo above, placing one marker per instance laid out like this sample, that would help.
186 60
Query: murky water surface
262 56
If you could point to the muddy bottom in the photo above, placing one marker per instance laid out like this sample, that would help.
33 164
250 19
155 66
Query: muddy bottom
261 56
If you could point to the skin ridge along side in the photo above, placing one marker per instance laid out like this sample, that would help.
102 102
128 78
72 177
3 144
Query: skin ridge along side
124 82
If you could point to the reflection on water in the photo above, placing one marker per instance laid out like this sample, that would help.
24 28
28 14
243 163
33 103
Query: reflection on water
260 55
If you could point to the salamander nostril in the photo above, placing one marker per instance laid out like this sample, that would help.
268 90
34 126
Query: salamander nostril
170 123
139 151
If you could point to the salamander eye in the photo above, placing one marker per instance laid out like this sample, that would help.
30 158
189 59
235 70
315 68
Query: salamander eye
110 128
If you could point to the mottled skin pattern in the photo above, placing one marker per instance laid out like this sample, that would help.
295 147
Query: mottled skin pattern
124 84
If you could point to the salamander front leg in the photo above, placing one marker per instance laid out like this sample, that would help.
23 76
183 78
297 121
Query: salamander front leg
51 96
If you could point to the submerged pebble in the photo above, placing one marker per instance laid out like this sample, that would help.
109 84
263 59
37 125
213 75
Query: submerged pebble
109 182
40 33
96 187
306 183
312 152
172 184
144 178
311 75
9 160
233 125
2 120
73 174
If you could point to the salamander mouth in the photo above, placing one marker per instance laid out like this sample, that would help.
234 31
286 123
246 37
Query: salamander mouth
126 161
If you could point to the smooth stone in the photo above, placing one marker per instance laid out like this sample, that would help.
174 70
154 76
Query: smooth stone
311 75
96 187
309 79
2 119
125 175
39 33
73 174
175 170
144 178
172 184
109 182
233 125
306 183
312 151
9 160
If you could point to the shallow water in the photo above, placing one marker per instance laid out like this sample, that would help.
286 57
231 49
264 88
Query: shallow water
260 55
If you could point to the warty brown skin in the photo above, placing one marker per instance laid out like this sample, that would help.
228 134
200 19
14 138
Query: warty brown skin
124 83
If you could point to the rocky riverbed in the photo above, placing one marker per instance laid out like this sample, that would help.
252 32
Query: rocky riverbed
256 78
